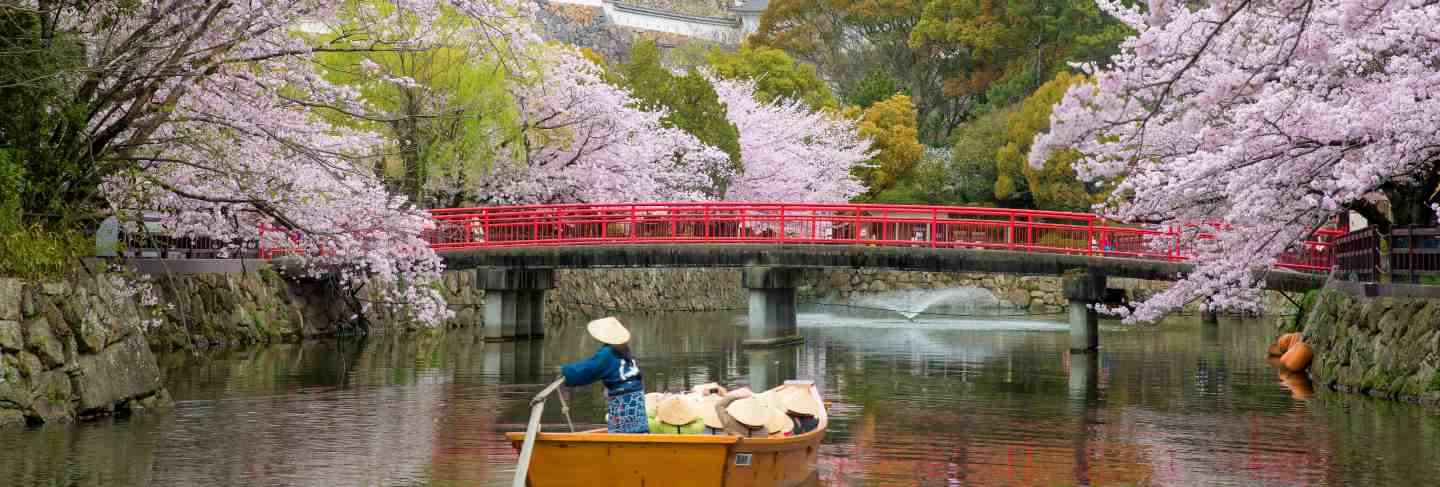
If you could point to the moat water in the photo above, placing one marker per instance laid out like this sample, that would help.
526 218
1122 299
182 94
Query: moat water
934 401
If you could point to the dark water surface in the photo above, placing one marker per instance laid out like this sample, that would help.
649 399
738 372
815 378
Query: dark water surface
937 402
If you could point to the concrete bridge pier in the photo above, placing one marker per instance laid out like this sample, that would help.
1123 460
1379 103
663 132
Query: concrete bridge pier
514 301
770 367
1083 290
772 305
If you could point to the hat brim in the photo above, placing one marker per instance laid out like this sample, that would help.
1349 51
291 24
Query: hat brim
676 410
779 422
609 331
749 412
799 402
709 414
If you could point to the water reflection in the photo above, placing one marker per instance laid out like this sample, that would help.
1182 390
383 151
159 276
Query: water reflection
960 402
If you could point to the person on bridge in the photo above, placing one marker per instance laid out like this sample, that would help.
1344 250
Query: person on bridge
613 365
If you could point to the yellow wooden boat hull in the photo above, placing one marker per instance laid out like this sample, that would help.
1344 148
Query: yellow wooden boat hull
598 458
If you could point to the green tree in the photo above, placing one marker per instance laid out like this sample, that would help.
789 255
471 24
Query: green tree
448 109
39 180
1053 186
876 86
776 75
930 182
946 54
972 161
890 126
689 99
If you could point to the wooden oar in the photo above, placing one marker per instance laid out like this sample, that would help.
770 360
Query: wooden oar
537 406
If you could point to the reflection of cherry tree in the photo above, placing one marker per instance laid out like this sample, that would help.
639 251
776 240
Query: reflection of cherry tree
789 152
1268 116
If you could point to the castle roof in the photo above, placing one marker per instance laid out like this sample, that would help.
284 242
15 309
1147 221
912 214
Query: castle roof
751 6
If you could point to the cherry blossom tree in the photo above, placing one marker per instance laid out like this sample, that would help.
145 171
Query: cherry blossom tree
789 152
216 113
1266 116
584 141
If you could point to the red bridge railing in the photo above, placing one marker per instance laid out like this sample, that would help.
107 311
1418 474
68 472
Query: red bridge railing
822 224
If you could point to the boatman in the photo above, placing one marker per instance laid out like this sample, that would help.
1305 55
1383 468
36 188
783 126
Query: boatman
613 365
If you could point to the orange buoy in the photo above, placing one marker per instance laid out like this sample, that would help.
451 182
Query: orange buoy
1298 357
1286 340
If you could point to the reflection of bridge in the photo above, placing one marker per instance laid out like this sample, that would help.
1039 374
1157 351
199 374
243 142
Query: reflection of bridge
517 249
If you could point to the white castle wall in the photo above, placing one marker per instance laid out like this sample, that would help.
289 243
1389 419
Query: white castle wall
723 30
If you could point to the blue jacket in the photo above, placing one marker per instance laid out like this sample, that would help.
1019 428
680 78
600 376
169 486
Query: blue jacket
621 376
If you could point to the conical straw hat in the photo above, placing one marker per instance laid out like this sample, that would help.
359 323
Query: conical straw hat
677 410
652 402
707 411
779 422
608 330
799 402
749 412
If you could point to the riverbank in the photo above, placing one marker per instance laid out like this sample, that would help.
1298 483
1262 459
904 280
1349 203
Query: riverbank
84 346
1382 342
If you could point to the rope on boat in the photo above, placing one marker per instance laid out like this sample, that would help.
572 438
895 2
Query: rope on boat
565 408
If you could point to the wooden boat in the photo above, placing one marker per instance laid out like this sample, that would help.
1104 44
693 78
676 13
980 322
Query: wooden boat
598 458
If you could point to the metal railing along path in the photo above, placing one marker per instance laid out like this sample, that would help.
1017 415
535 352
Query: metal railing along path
828 224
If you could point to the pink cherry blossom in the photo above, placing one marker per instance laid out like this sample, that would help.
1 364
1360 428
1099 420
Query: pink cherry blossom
789 152
585 142
1268 116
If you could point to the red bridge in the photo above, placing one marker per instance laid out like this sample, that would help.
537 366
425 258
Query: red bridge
1032 231
515 250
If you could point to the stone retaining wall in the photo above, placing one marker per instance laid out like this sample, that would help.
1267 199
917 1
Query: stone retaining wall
583 294
1386 347
73 350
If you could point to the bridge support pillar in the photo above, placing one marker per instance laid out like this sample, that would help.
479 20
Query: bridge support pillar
772 305
514 301
1083 290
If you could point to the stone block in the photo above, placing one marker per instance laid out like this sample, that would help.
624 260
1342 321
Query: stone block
52 394
11 417
54 289
10 291
93 332
11 339
28 364
40 340
124 371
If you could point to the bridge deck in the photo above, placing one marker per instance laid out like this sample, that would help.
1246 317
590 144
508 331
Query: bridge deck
840 256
